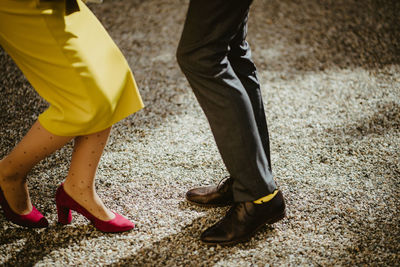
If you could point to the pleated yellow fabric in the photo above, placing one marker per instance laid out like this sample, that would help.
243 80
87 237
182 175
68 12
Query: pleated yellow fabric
72 62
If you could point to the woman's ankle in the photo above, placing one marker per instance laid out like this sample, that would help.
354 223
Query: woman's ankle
86 196
9 174
77 187
16 193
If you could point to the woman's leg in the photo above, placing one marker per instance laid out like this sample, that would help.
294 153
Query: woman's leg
79 183
37 144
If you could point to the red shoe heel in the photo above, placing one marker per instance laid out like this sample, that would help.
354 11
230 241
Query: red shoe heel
64 215
34 219
65 204
63 212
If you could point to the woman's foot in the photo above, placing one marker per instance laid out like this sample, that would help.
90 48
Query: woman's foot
87 197
15 191
33 219
17 206
65 203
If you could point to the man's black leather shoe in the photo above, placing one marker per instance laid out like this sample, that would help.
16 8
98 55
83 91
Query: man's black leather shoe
243 220
212 196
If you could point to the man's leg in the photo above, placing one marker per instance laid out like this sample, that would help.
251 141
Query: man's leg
210 27
240 58
218 71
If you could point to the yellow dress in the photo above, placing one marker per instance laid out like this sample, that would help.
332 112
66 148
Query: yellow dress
72 62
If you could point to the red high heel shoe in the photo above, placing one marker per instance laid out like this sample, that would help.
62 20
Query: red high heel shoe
65 204
34 219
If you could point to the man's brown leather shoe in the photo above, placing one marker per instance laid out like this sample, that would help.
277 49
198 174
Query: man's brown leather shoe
212 196
243 220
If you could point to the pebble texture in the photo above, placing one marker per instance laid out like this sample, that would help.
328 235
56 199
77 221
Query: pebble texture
330 73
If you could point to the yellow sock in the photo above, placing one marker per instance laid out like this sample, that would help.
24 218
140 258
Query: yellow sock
266 198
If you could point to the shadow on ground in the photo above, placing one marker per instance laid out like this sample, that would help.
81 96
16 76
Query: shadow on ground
327 34
38 244
184 248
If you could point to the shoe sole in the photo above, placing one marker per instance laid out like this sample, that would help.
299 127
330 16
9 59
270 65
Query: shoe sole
208 205
247 238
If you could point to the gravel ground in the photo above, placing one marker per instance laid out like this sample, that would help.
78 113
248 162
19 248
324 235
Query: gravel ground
331 80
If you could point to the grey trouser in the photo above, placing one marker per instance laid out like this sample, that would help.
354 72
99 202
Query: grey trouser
216 59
